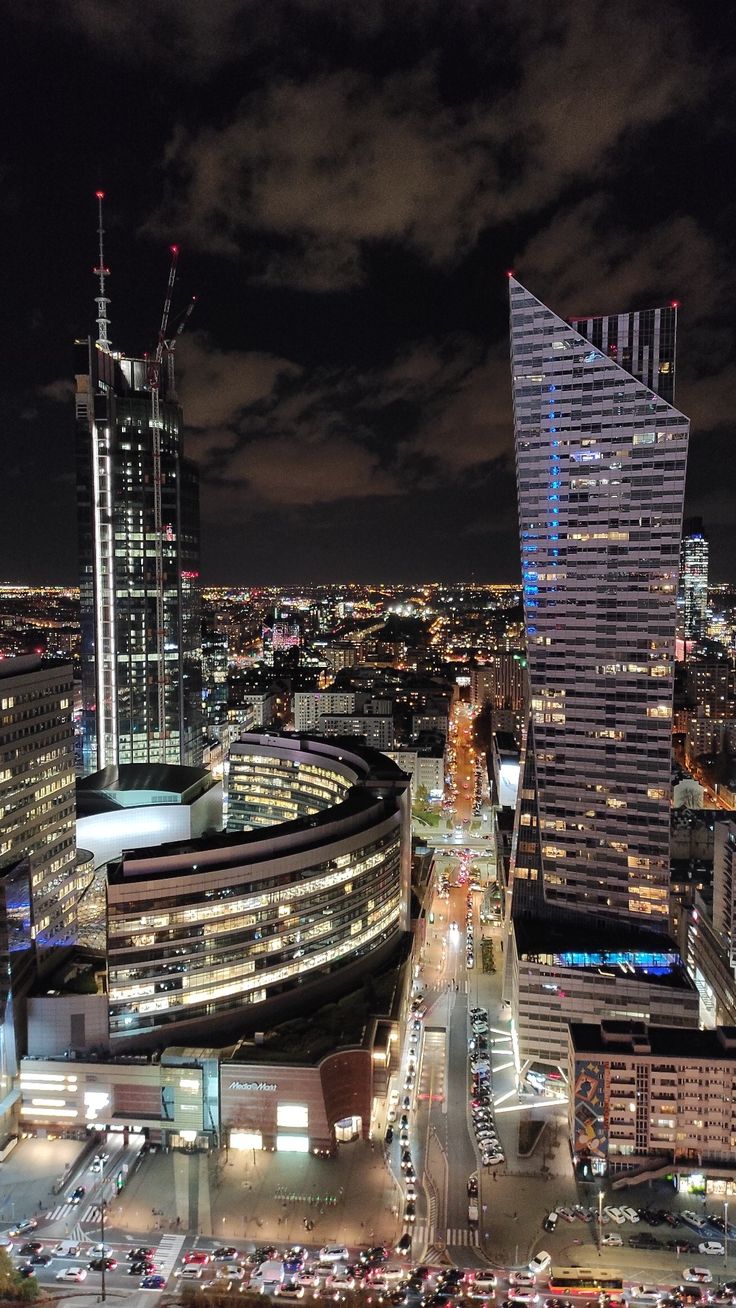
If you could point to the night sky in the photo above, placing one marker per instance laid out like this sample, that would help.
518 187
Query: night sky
349 182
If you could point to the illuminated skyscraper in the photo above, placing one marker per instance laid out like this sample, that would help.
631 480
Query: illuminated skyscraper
138 515
692 600
600 464
643 342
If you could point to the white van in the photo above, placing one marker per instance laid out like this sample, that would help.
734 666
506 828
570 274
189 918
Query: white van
266 1277
67 1249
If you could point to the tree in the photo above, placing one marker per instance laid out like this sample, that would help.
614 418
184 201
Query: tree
15 1288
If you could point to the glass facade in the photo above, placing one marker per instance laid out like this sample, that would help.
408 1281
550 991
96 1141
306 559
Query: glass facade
692 600
642 342
600 466
264 789
243 938
118 570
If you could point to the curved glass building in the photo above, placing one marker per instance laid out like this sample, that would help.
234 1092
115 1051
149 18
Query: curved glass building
309 884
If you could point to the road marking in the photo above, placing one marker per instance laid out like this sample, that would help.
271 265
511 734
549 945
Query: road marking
462 1236
92 1214
167 1253
59 1211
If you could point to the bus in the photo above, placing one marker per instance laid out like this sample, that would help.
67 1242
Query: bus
585 1281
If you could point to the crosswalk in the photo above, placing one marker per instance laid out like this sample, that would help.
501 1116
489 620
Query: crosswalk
167 1253
91 1214
426 1234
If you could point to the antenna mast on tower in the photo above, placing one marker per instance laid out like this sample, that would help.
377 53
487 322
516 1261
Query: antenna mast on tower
101 271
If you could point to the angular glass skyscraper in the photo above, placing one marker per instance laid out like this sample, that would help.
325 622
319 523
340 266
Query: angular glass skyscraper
643 342
139 585
600 466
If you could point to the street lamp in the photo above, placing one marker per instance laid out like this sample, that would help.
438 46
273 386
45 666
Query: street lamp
725 1232
600 1221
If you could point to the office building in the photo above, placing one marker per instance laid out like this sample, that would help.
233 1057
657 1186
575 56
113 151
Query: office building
227 932
138 518
309 705
500 682
559 975
376 729
724 887
646 1100
600 464
692 599
709 682
644 343
37 810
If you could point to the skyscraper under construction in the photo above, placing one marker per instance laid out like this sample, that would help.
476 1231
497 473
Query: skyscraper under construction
138 518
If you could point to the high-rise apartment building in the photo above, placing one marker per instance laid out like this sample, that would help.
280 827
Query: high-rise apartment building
37 798
600 463
138 515
643 343
692 599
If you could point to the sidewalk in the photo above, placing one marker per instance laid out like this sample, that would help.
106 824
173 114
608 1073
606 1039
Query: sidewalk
231 1196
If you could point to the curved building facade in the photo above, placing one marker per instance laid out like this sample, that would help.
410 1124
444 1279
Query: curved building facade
218 935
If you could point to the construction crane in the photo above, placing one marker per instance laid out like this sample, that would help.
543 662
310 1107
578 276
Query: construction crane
164 345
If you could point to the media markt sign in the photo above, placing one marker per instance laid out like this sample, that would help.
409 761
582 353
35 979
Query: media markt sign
265 1087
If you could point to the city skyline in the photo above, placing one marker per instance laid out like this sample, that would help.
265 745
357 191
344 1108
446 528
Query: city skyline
343 377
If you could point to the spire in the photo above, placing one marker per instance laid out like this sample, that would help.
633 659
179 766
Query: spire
102 272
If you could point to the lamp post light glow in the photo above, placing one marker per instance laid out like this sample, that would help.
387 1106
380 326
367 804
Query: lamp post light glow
600 1221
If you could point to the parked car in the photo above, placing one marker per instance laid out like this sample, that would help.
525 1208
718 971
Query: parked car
550 1221
612 1241
709 1247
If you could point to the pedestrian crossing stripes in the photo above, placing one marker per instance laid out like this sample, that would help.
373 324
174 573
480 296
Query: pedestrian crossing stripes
92 1214
423 1234
61 1210
459 1235
167 1253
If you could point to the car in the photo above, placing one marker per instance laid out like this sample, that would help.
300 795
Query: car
145 1251
521 1280
100 1250
389 1136
290 1290
223 1251
77 1195
491 1160
31 1247
644 1241
334 1253
142 1268
410 1211
406 1102
630 1214
101 1157
404 1136
554 1302
713 1247
473 1183
104 1264
374 1256
615 1215
261 1254
540 1262
293 1260
72 1274
550 1221
22 1228
403 1245
391 1116
25 1270
40 1260
482 1285
698 1275
612 1241
341 1280
196 1258
155 1282
525 1294
67 1249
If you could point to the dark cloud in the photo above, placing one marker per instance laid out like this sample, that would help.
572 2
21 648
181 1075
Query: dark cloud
334 162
